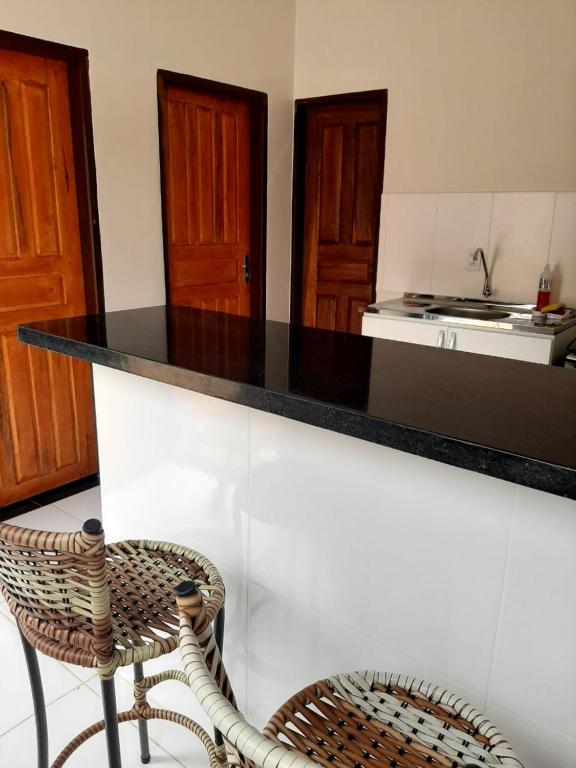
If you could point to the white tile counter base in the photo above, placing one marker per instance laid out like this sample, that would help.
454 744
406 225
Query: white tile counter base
342 554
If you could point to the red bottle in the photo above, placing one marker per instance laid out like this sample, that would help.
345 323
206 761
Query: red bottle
544 288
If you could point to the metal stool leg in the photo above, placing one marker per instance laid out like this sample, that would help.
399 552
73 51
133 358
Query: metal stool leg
219 637
111 723
142 724
38 699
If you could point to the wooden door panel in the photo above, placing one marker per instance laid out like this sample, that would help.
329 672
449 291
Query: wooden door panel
207 198
10 214
19 293
367 185
20 391
344 271
326 312
331 183
220 268
340 313
38 177
343 183
177 174
46 410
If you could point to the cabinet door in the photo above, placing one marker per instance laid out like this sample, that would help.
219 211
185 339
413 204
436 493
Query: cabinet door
412 331
498 344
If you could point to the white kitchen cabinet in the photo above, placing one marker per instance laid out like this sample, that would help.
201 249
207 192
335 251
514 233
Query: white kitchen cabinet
496 342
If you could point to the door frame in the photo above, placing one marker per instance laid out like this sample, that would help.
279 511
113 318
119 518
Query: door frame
76 60
258 110
301 109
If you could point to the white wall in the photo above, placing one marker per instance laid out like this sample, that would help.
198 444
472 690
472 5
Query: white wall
339 554
248 43
481 100
481 92
481 135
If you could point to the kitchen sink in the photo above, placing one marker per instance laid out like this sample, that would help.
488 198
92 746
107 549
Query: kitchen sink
456 310
470 313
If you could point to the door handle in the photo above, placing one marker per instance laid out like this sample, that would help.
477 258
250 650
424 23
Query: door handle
451 340
246 269
440 339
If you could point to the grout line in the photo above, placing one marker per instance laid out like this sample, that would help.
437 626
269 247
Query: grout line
552 222
489 243
247 560
505 574
433 267
538 725
48 704
134 725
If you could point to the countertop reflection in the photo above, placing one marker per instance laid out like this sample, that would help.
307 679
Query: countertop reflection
505 418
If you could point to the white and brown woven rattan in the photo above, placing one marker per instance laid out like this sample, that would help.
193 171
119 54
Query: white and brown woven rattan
359 720
81 601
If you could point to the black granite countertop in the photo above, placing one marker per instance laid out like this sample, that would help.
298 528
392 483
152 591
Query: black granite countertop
511 420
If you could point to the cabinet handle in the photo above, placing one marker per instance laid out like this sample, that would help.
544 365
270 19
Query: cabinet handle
451 340
440 339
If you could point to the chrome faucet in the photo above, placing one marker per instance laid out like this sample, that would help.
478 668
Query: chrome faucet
487 290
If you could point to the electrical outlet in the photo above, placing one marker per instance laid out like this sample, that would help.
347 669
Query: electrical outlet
473 262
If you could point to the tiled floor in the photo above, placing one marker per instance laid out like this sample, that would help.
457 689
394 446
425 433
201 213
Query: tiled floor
73 694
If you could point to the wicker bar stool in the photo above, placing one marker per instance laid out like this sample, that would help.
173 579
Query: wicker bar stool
358 720
81 601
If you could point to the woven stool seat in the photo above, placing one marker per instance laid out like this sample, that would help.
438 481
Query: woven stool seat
84 602
358 720
141 577
376 719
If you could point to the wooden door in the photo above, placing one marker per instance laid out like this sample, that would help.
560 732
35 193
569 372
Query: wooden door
206 185
47 434
342 188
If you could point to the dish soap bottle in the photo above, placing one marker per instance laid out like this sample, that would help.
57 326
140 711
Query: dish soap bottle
544 287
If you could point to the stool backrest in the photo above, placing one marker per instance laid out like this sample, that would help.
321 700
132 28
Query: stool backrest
207 678
55 584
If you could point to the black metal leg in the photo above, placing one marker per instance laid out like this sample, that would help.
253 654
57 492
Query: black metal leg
219 637
142 724
111 723
38 699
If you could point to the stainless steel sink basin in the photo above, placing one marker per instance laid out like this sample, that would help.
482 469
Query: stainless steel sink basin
473 314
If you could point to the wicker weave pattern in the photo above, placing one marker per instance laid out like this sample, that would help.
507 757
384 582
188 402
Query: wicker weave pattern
369 718
358 720
95 606
58 581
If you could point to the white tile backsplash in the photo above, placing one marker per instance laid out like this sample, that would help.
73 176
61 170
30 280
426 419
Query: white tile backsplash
519 243
424 239
407 242
563 247
462 225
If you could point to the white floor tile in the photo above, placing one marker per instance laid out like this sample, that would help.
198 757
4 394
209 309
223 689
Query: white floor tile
83 505
175 740
82 673
5 611
48 518
18 706
67 717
